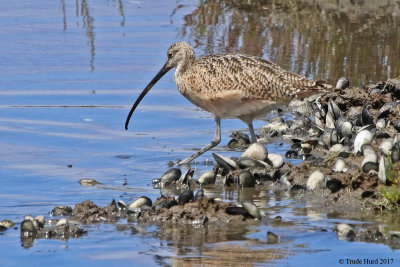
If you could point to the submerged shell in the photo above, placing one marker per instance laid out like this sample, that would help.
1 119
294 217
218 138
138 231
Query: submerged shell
88 182
251 209
344 231
272 238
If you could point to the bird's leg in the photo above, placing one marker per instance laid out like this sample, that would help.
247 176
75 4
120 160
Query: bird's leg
214 142
251 129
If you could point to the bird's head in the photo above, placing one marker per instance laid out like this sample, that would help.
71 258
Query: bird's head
179 55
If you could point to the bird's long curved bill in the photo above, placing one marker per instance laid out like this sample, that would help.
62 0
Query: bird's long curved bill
158 76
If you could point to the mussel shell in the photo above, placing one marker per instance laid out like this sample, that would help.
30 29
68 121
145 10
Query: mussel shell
28 228
367 149
330 137
122 205
339 165
236 211
344 127
139 202
199 195
246 179
225 163
251 209
296 188
366 117
382 170
61 211
272 238
185 196
319 123
370 163
170 177
291 154
395 155
386 146
342 83
363 137
334 110
275 160
334 185
245 162
381 123
156 183
385 110
315 180
166 204
7 223
207 178
256 151
186 177
88 182
396 125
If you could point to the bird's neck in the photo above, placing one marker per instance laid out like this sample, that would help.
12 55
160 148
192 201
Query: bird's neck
184 65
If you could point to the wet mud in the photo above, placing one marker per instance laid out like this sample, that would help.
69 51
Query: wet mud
351 188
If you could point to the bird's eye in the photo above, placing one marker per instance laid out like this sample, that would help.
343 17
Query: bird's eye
169 55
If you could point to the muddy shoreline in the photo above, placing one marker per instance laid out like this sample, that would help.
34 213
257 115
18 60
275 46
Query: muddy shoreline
316 135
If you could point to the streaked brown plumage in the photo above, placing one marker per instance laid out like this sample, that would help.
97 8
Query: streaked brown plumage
231 86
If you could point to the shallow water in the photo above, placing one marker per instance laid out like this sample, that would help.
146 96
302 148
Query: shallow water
69 71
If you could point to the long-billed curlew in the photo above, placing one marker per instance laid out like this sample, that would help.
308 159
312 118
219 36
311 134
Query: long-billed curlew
230 86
